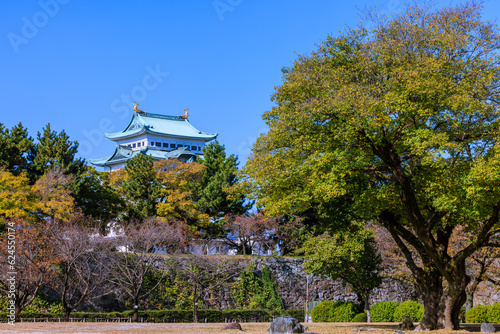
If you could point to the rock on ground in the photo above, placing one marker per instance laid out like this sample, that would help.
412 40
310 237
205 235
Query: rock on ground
407 324
487 328
286 325
232 325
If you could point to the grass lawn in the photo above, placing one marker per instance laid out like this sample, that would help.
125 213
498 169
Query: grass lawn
188 328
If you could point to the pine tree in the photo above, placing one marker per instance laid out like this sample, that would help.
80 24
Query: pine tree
16 149
142 187
219 176
55 150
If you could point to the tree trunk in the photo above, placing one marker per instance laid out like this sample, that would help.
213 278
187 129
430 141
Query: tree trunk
67 313
135 316
431 288
452 306
195 304
17 313
469 301
455 296
367 307
195 310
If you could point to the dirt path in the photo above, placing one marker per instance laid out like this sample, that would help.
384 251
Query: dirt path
131 328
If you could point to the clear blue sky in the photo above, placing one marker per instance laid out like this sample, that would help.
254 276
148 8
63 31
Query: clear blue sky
78 64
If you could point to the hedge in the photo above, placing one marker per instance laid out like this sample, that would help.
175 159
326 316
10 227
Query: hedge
410 309
360 317
477 314
494 313
170 315
342 312
321 312
383 311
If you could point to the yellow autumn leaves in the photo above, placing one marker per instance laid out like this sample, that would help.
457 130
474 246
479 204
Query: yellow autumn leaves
50 196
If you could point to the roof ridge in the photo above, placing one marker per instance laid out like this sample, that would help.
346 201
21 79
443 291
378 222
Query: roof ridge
174 118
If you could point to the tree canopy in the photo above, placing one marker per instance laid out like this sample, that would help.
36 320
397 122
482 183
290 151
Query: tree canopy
402 123
142 187
16 149
55 150
353 257
219 175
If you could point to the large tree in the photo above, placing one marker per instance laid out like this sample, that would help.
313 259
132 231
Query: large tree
178 196
54 150
16 149
81 261
142 187
403 121
28 258
213 192
95 195
204 274
142 247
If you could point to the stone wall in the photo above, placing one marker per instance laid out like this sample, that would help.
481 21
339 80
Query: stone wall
292 283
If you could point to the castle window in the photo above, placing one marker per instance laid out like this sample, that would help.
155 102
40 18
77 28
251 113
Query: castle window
172 145
193 148
158 144
199 148
152 143
165 145
138 144
133 145
179 145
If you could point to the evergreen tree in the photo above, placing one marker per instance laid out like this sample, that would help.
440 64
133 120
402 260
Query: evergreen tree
16 149
55 150
95 196
142 187
219 176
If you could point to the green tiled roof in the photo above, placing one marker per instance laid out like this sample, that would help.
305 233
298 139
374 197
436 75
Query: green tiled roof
174 126
124 153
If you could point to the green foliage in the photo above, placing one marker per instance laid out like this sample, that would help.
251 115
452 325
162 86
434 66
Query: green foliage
246 287
268 298
351 256
4 303
321 312
410 309
476 315
360 317
383 311
399 124
16 149
297 314
56 308
37 305
494 313
342 312
55 150
253 292
213 192
162 295
95 196
142 187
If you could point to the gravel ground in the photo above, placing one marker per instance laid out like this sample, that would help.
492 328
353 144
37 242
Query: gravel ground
190 328
131 328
